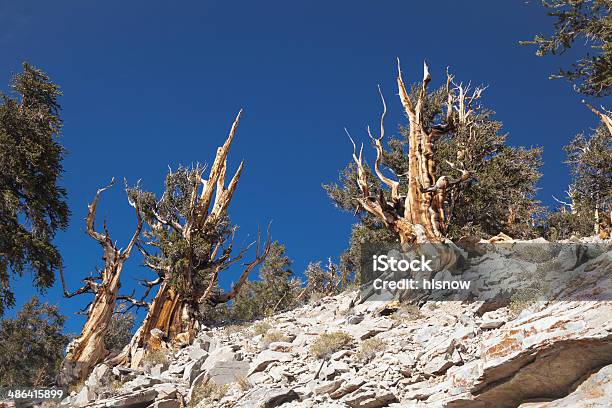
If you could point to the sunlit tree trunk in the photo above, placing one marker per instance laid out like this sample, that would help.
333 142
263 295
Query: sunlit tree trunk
88 349
171 312
420 215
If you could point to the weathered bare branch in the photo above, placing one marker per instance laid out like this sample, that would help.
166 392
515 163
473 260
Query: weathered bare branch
175 225
128 249
259 257
606 118
134 303
362 181
392 184
87 288
91 216
422 95
405 99
464 102
224 196
216 169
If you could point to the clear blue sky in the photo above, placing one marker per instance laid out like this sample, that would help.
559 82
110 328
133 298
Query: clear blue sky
149 84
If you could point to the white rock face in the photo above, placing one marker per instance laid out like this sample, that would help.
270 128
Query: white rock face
553 354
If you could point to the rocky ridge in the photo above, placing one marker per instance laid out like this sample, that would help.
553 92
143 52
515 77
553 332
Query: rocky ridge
379 354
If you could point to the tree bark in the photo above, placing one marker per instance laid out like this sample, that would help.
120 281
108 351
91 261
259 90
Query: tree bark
88 349
420 216
173 315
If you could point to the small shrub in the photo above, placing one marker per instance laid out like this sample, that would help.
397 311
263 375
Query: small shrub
76 387
114 385
522 299
271 336
261 328
243 382
249 347
407 312
153 358
233 328
209 391
369 348
315 297
328 343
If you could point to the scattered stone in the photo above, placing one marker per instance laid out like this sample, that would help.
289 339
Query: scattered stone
166 403
437 365
457 354
265 358
327 387
348 387
84 396
226 372
355 319
283 346
371 399
268 398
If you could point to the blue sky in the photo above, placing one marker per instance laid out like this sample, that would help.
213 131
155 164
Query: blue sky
151 84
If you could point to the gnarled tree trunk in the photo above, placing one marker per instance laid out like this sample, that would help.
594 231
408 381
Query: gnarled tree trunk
88 349
420 215
172 314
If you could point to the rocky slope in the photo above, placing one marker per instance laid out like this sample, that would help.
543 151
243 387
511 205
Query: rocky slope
340 352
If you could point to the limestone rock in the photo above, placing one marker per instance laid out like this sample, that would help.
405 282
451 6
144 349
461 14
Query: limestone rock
460 353
166 403
371 398
226 372
267 357
268 398
437 365
594 392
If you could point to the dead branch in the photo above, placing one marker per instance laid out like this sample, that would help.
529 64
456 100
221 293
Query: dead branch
606 118
216 170
392 184
103 239
226 297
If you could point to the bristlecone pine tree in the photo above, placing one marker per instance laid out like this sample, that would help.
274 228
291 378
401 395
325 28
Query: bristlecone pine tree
487 188
192 243
31 346
89 348
119 331
322 281
590 160
33 206
275 291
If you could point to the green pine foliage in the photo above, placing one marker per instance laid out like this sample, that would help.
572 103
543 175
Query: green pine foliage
275 291
186 264
33 206
590 161
323 281
585 22
32 346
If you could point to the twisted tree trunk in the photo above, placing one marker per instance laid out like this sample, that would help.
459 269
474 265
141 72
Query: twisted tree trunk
88 349
172 314
420 215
